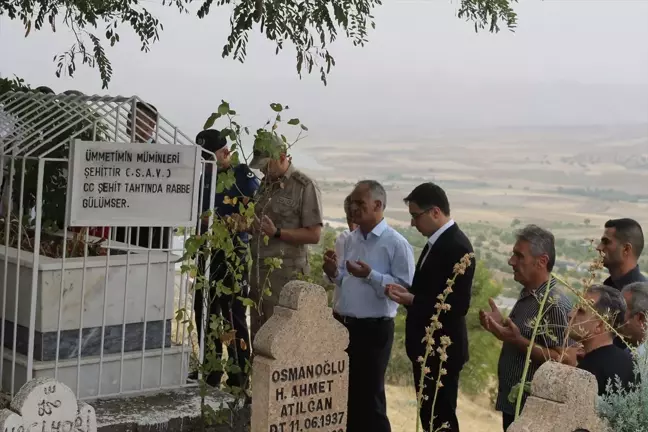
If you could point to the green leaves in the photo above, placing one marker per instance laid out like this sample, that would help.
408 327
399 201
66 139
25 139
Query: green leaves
223 239
223 108
309 27
211 120
247 302
513 394
488 14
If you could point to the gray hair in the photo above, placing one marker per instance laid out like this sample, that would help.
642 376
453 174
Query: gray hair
542 242
639 297
377 191
610 304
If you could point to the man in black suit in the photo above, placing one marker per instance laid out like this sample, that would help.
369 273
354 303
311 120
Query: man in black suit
447 244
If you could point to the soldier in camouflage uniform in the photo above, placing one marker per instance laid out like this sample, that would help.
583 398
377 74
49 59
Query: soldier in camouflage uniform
288 211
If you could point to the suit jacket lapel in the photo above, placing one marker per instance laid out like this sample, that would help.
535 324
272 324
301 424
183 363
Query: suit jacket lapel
447 235
430 262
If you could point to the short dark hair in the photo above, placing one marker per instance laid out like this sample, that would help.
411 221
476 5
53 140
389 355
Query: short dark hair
429 195
628 231
541 242
347 205
611 305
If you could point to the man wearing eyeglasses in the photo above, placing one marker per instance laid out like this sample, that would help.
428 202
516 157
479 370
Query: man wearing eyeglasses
446 246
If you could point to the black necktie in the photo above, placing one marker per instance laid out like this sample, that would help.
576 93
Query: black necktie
423 253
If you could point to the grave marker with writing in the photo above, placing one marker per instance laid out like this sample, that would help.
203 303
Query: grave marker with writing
300 367
133 184
45 405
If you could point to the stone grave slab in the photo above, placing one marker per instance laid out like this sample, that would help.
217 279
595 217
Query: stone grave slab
300 366
45 405
563 399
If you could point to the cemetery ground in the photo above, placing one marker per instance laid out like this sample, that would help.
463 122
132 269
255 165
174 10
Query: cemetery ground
475 414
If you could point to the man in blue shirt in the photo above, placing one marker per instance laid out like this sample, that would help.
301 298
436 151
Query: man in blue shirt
375 255
229 306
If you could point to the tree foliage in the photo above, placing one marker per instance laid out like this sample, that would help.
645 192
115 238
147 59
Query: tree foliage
62 126
308 26
483 348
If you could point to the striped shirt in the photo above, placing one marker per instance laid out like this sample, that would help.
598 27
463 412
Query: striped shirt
551 333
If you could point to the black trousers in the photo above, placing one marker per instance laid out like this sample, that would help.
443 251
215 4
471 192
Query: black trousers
370 344
445 407
507 420
233 312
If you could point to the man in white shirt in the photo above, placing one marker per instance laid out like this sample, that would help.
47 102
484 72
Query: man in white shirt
374 256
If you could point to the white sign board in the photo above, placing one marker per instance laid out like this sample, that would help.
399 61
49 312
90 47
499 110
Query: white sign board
133 184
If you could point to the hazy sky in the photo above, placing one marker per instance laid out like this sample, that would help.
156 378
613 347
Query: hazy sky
569 62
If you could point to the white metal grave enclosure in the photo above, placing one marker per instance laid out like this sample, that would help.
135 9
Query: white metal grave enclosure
92 307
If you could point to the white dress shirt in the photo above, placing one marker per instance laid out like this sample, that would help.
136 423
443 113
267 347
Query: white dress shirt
391 259
340 242
641 351
434 237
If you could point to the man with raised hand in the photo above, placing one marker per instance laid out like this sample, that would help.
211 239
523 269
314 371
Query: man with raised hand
375 256
533 258
447 245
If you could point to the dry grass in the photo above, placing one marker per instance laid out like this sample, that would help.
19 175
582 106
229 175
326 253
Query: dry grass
473 416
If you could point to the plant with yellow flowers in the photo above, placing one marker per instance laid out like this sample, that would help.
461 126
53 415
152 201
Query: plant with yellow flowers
444 342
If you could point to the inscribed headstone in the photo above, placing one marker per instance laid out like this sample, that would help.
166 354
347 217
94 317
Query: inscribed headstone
133 184
563 399
301 370
45 405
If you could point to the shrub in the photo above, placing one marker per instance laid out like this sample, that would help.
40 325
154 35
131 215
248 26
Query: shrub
626 410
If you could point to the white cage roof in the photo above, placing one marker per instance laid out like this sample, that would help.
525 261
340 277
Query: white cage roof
41 125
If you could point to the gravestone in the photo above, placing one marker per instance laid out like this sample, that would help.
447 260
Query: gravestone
563 399
300 367
45 405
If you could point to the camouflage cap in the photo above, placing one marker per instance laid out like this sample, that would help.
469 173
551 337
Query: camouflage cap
267 146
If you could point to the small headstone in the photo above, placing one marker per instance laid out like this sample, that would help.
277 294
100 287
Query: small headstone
563 399
45 405
301 371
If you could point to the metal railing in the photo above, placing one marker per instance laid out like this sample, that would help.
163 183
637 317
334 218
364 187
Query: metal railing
102 323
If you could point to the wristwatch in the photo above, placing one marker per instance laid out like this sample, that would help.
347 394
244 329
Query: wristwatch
277 233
